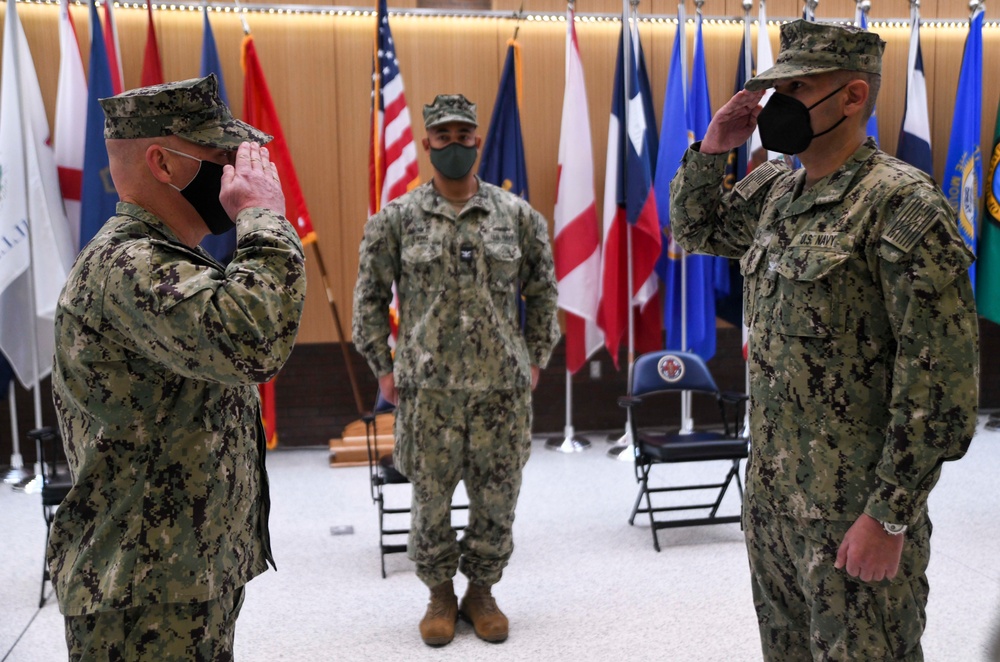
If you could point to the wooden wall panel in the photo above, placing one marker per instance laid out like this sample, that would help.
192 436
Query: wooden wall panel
319 67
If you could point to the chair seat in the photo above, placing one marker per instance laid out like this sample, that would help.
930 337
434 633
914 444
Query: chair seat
694 447
53 493
390 474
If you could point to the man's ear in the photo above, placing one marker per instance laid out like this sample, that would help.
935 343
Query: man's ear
479 141
857 96
426 143
158 164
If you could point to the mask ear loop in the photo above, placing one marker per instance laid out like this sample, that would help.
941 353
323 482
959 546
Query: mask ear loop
839 122
193 158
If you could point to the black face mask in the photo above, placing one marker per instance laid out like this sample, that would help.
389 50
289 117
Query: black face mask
454 161
785 125
203 194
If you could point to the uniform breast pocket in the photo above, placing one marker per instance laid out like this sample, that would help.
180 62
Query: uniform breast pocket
503 261
749 264
422 269
809 292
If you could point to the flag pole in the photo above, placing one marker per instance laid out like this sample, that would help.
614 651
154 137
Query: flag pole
624 448
686 424
326 285
17 474
747 75
339 327
570 443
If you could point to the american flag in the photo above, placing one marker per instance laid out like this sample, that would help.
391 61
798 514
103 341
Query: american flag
392 157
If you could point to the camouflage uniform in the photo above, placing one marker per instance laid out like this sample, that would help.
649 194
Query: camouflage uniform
158 352
863 378
462 363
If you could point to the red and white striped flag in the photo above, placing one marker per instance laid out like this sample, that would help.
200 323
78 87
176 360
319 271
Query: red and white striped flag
114 52
577 245
392 153
71 120
392 164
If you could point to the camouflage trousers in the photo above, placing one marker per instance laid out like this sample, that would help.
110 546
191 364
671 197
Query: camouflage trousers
808 610
198 632
481 438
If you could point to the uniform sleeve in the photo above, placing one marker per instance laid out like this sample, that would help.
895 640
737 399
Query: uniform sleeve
923 268
704 218
538 287
236 326
378 267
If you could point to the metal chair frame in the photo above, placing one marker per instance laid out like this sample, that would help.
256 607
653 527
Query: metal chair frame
665 372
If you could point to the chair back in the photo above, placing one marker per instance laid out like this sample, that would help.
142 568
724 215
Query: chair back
669 370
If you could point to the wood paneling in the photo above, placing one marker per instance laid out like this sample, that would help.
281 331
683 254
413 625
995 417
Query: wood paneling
319 66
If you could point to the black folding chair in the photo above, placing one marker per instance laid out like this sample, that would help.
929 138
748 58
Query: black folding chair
56 484
655 377
382 471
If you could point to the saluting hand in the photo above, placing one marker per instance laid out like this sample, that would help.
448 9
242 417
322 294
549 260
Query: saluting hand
252 182
733 124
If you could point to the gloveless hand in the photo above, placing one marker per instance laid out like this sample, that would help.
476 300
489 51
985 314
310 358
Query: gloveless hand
733 124
252 182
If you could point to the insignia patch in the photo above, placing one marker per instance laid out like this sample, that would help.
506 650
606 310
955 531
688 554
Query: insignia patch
912 221
670 368
757 178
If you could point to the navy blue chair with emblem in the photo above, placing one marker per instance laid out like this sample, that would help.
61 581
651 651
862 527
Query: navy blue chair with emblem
657 379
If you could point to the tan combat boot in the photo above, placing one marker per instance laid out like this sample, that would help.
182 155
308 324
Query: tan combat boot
479 608
438 625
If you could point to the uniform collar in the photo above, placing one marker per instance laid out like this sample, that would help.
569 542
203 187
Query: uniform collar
437 204
159 229
832 188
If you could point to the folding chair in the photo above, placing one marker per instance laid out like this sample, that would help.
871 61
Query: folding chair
664 373
382 471
56 483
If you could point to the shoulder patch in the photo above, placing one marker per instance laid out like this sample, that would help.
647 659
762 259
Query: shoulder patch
758 177
911 223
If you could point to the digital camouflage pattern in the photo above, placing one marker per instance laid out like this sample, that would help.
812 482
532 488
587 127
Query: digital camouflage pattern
835 616
191 109
459 324
203 631
863 357
809 47
463 363
863 344
158 352
449 108
482 438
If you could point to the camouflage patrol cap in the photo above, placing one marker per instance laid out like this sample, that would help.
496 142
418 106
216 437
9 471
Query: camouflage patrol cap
809 48
450 108
191 109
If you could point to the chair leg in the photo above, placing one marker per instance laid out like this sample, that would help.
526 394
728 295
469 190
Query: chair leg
381 529
45 563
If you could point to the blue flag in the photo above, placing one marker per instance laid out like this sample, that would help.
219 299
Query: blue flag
221 246
914 145
98 196
963 169
702 272
502 161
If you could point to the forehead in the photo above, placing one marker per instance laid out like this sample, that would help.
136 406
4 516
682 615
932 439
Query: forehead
448 127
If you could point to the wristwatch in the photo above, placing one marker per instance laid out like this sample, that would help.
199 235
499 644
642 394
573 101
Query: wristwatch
893 529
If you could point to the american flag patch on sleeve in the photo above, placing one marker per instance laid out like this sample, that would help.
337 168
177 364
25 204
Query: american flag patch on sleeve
911 223
757 178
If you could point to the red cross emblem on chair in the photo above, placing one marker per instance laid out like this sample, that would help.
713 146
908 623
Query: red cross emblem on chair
671 368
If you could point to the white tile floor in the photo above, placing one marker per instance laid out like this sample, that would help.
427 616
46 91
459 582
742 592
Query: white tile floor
583 584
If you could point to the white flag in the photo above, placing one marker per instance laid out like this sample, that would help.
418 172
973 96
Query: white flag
577 234
71 120
34 234
765 60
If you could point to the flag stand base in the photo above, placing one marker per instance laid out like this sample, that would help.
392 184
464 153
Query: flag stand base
570 444
623 450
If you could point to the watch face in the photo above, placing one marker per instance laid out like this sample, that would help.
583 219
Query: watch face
894 529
